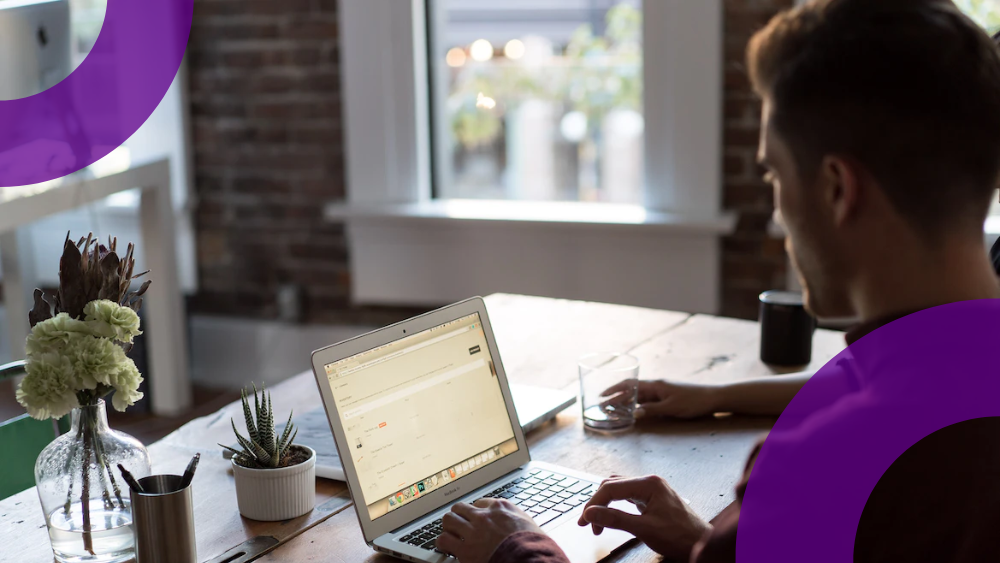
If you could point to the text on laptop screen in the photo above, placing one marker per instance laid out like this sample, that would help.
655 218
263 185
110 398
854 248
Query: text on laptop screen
420 412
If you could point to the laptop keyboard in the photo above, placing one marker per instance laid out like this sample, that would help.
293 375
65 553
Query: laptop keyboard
544 495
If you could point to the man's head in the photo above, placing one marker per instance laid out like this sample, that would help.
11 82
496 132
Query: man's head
881 124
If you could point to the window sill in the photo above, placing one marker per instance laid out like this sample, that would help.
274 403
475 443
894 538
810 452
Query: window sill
438 252
565 214
993 226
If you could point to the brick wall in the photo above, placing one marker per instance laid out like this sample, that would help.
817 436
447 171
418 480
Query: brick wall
752 262
268 152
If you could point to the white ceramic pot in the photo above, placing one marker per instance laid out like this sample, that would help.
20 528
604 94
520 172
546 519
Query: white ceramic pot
277 494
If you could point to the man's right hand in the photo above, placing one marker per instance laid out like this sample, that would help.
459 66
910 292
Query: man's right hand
473 533
665 522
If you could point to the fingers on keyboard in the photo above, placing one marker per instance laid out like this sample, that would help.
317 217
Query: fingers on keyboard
544 495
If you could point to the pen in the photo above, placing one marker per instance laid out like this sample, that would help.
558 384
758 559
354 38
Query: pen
132 483
189 472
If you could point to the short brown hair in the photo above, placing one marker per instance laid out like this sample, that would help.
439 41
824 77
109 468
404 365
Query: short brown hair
909 88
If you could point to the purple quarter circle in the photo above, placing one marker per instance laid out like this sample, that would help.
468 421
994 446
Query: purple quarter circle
906 380
104 101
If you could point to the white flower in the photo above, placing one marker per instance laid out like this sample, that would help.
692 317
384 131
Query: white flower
55 335
66 355
125 380
110 320
95 360
122 400
49 389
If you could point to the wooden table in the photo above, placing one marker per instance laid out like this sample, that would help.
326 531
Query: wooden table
540 340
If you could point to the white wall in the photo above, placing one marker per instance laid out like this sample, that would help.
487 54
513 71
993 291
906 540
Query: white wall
230 353
438 263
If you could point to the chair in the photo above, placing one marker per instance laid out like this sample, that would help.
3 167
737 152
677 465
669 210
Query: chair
22 438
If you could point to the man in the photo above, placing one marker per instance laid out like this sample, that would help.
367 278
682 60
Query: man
881 137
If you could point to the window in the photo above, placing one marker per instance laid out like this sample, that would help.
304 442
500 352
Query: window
538 100
987 14
88 18
415 241
984 12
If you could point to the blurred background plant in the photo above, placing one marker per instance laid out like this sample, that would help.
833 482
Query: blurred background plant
985 12
592 75
564 93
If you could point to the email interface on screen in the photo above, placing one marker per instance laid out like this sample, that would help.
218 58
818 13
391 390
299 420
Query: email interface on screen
420 412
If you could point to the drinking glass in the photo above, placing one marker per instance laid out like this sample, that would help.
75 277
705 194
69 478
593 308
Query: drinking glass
609 388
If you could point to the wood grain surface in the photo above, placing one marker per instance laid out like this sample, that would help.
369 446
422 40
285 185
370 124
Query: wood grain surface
540 340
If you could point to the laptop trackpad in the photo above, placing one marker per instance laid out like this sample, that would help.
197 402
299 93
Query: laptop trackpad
580 543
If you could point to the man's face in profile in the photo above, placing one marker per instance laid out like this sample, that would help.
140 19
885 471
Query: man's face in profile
811 240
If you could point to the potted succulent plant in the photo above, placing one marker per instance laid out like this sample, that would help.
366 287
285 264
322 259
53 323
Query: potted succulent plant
275 478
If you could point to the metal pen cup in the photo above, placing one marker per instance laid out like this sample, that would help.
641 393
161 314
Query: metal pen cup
163 521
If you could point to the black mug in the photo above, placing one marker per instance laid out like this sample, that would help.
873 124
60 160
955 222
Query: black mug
786 329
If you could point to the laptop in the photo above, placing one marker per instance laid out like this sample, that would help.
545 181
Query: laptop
423 418
537 405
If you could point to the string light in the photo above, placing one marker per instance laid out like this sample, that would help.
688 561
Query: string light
514 49
485 102
455 57
481 50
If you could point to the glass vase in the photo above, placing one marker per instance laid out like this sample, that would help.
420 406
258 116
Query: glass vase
86 502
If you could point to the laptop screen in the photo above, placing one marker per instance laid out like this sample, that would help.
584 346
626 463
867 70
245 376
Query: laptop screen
421 412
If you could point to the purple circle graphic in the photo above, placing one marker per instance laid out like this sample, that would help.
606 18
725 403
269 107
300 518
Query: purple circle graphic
860 412
104 101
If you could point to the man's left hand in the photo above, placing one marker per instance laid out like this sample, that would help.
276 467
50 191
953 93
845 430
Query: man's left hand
665 523
473 532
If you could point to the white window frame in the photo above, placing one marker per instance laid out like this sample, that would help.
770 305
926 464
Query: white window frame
407 248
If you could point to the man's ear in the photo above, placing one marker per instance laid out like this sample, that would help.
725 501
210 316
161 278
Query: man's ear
839 182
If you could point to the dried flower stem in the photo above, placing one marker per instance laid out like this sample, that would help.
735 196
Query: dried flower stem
105 467
88 539
67 507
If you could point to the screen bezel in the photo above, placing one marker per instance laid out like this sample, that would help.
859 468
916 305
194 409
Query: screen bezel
438 498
